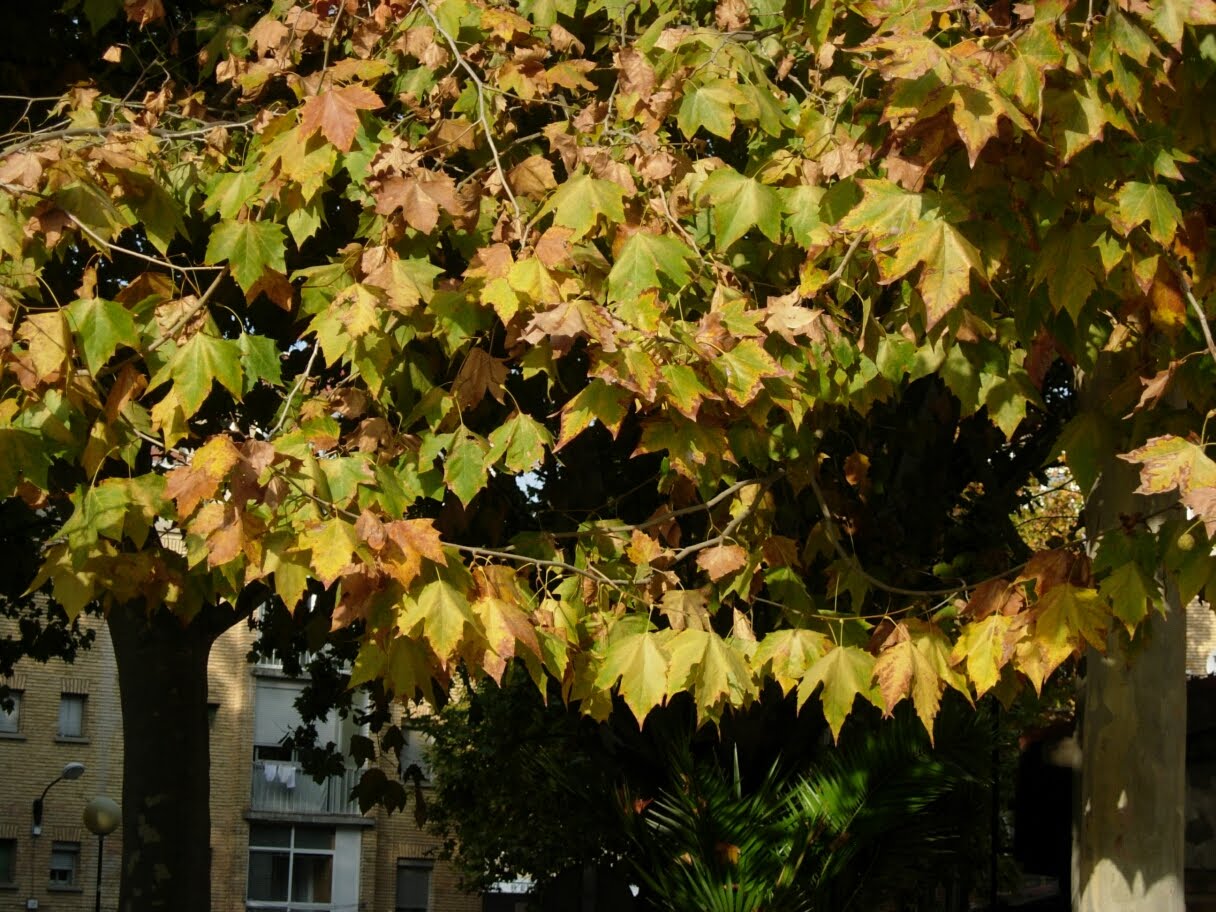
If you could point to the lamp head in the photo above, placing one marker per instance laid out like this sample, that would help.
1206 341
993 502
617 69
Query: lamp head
73 770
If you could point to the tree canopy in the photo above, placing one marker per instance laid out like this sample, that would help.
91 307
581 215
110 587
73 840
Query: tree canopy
665 347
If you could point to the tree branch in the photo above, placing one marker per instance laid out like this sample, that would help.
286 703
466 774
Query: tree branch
160 133
481 114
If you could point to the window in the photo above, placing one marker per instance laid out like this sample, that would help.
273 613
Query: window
71 716
413 885
65 858
8 861
414 754
290 867
10 719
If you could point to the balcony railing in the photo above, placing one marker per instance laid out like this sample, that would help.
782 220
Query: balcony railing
283 787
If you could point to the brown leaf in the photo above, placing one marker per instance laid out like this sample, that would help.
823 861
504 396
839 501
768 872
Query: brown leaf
995 597
732 15
721 560
335 112
127 386
1048 569
480 373
275 286
189 485
857 469
1155 387
369 528
144 11
532 177
553 249
567 321
419 197
563 41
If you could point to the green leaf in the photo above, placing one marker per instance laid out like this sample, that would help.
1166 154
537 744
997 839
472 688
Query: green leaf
845 672
710 668
259 361
948 258
740 204
464 470
522 440
801 208
644 258
579 202
710 105
885 209
1070 265
332 544
786 655
23 457
249 247
597 401
100 327
441 613
203 360
1130 592
229 192
637 661
1139 202
741 370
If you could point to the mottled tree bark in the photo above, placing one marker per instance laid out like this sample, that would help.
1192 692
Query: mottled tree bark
1129 833
166 786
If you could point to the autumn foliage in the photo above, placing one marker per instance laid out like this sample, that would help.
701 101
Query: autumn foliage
665 348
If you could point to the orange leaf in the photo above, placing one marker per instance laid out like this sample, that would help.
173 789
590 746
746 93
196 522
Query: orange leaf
720 561
336 113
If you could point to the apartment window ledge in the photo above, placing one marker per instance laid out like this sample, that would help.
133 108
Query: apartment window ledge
52 888
11 736
8 886
72 739
305 818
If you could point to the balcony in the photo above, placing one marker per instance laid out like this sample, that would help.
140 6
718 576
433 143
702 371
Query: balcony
282 787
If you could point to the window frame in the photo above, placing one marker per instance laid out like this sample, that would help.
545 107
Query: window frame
72 850
17 695
416 864
9 844
291 850
67 699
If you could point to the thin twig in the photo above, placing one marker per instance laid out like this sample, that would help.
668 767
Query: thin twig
1195 305
158 132
481 114
729 530
838 272
296 387
110 247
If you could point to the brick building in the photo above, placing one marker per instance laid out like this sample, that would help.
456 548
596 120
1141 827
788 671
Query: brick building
279 841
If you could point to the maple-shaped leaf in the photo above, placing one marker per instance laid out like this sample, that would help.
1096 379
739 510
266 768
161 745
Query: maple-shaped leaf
420 197
505 626
683 389
200 480
1170 17
948 258
1169 462
1074 118
886 209
722 560
640 665
597 401
902 670
710 668
786 655
465 470
1130 593
581 201
569 320
1067 618
1140 202
740 204
441 613
335 112
100 327
480 373
202 361
741 370
249 247
710 105
986 646
845 672
412 540
1071 266
332 545
519 442
686 608
642 262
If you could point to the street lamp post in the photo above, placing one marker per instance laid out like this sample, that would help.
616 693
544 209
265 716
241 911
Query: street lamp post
72 770
101 816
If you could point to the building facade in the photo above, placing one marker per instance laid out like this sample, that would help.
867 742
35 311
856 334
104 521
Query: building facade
280 842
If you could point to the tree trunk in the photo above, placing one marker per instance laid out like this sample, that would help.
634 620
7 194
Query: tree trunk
166 785
1129 832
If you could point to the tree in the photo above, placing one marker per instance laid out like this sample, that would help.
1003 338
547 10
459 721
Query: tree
663 348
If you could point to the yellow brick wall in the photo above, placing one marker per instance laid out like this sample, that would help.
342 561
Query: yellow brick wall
35 756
